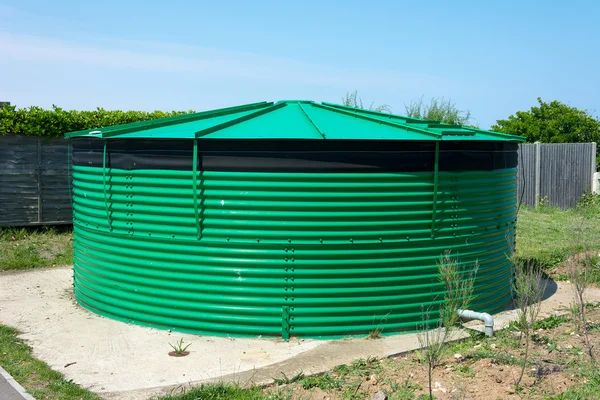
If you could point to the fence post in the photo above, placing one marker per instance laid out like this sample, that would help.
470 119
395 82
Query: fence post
39 180
538 172
595 175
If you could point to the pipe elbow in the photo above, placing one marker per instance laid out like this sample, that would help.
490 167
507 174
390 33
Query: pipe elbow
487 319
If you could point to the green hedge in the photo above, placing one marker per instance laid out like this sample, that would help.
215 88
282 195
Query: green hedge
54 123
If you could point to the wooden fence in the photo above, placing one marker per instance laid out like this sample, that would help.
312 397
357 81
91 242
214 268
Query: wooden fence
34 184
555 174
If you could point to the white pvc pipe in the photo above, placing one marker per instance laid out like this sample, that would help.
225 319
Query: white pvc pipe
488 320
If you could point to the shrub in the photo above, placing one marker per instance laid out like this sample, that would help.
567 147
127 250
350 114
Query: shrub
36 121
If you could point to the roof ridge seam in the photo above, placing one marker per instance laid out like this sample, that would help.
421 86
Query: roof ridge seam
390 123
236 121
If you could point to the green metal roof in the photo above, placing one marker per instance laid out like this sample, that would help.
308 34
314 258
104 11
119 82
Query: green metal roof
294 119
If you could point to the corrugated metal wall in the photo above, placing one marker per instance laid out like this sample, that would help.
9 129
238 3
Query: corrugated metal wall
284 254
557 174
34 185
34 188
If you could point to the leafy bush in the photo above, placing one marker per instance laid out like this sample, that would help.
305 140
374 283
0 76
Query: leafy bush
438 109
36 121
552 122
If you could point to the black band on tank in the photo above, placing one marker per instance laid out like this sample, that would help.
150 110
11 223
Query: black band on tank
295 155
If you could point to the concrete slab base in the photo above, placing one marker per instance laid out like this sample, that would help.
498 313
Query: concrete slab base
122 361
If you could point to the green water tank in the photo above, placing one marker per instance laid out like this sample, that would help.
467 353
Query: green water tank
293 218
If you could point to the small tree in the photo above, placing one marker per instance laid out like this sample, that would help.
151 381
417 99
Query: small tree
528 290
458 284
438 109
580 267
352 99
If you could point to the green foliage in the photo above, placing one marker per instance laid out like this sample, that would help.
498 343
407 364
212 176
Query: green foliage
406 391
528 289
551 322
588 200
503 357
365 366
223 391
351 99
36 121
324 382
552 122
588 387
465 370
438 109
288 381
458 281
179 348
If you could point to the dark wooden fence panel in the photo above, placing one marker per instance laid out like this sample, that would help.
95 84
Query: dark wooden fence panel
33 181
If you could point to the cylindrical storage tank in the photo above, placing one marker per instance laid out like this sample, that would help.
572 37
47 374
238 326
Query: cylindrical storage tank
289 219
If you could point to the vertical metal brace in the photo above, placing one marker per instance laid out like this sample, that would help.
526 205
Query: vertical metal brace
104 187
69 176
285 323
435 187
195 184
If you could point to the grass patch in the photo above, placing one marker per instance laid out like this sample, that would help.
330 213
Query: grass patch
227 391
25 248
324 382
34 375
466 370
545 234
590 390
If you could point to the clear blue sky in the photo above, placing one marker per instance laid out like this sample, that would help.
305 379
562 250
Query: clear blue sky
492 58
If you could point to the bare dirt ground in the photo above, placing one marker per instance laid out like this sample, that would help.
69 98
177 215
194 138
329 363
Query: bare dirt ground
476 368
